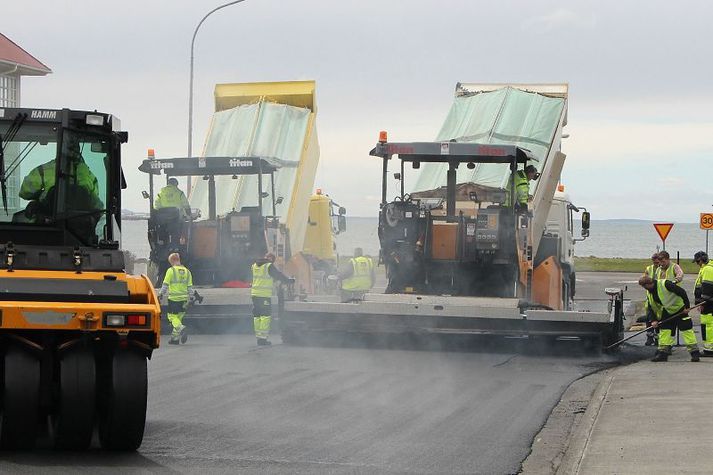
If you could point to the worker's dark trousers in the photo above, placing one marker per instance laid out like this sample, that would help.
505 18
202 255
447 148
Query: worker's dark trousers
650 317
262 316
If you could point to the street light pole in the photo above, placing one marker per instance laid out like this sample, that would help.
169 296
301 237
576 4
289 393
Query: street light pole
707 239
190 87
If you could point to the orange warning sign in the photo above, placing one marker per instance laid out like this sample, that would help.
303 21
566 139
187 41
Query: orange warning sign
706 221
663 229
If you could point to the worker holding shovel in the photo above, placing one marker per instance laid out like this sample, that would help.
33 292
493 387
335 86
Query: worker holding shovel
671 306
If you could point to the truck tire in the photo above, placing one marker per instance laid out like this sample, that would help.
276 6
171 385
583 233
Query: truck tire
73 424
21 396
125 388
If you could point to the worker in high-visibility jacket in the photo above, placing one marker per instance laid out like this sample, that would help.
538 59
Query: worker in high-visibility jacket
264 274
38 186
652 271
357 276
171 196
522 181
39 183
669 270
178 283
668 300
704 294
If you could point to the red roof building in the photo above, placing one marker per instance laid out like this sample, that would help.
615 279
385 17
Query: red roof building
14 63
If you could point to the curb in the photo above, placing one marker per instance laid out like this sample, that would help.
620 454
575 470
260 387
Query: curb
565 432
576 450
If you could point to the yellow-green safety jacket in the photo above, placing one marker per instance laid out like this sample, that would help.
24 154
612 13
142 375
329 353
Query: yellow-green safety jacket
653 272
668 274
670 302
171 197
707 269
262 281
41 179
704 285
522 188
179 281
360 280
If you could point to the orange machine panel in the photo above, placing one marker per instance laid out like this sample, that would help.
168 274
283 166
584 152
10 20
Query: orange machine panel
204 242
444 240
547 284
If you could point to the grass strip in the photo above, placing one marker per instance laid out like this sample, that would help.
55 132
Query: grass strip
620 264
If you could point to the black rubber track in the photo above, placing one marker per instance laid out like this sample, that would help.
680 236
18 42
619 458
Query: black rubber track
123 416
21 393
73 423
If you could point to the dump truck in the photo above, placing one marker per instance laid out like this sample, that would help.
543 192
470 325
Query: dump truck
75 329
462 255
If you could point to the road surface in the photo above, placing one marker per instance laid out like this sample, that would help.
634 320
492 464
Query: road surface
221 405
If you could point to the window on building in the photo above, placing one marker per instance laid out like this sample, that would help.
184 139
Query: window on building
9 93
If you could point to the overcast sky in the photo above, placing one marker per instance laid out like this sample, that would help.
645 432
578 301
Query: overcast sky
641 132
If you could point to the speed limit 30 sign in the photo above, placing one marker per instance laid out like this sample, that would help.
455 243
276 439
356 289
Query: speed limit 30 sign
706 221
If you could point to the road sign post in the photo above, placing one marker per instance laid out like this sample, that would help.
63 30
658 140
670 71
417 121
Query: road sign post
663 230
706 223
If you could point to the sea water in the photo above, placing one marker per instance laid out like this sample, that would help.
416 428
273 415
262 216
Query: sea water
608 238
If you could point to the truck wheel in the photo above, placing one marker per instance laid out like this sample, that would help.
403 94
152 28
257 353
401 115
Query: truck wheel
123 415
21 395
73 424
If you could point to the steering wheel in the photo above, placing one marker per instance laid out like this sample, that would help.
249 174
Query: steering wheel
392 215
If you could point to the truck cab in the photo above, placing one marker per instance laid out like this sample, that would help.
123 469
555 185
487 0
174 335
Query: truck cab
559 240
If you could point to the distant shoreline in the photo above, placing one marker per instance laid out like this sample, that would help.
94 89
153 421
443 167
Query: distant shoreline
139 216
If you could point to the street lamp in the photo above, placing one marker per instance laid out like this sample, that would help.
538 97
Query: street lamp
190 88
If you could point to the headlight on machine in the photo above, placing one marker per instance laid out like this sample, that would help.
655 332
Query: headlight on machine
115 320
93 119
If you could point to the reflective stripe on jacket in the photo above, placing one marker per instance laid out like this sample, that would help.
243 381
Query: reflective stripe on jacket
262 281
360 280
178 279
